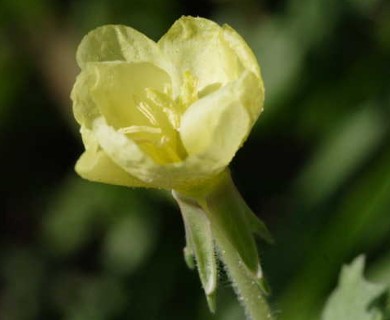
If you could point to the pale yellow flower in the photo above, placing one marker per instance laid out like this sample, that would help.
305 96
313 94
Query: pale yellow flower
170 114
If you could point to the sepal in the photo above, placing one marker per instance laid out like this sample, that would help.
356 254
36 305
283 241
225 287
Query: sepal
228 215
200 244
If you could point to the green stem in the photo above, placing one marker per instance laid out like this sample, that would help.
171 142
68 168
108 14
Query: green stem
247 289
232 228
219 209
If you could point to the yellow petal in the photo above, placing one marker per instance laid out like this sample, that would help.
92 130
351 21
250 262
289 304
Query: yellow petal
197 45
122 43
122 150
127 155
212 130
215 126
116 43
95 165
118 90
100 168
249 62
84 108
245 55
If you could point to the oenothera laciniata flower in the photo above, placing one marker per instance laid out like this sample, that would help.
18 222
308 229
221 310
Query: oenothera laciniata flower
172 114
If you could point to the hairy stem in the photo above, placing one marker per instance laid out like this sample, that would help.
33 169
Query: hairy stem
248 289
232 229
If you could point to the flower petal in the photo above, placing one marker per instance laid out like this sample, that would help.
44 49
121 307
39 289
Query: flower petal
248 61
215 127
119 89
122 43
122 150
95 165
198 45
116 43
245 55
84 108
127 155
114 90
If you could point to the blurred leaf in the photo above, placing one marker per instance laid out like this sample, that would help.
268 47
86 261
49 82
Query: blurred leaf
277 49
148 16
354 297
83 210
69 223
380 271
321 15
382 31
344 150
128 243
359 222
281 57
364 6
26 13
81 297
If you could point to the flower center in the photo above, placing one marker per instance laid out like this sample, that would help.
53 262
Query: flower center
160 138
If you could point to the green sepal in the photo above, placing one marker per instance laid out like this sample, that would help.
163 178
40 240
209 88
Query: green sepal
264 286
200 244
189 256
257 226
188 251
212 301
228 214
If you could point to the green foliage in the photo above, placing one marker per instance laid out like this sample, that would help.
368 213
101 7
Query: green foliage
355 298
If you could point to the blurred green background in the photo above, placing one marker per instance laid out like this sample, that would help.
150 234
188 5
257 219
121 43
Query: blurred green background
316 168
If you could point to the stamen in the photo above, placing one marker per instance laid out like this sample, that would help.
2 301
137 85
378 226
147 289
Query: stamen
140 129
189 92
165 104
161 139
145 109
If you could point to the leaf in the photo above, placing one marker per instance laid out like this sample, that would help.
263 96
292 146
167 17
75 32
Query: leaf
355 298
